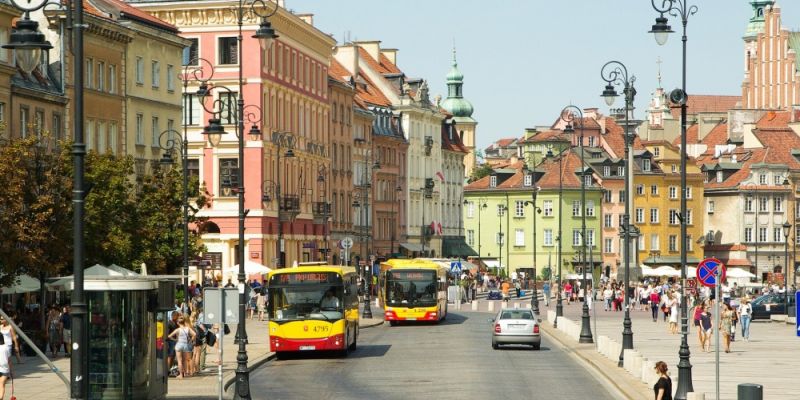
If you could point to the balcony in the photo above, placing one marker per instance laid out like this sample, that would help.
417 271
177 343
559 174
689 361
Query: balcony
289 208
321 211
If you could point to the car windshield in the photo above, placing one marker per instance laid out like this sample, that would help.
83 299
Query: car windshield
293 303
516 314
411 288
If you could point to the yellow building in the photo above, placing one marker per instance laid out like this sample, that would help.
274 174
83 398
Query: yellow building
657 204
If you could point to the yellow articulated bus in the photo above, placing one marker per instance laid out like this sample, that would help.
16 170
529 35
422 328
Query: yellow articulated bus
413 290
312 308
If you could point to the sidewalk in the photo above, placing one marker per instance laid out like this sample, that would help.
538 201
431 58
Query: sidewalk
34 380
768 359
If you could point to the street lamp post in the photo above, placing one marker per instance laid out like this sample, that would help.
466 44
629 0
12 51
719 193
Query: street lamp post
287 207
266 35
559 297
501 209
167 141
365 236
28 44
568 115
536 209
786 228
661 31
397 191
615 73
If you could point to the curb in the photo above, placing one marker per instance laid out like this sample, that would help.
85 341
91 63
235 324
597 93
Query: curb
613 380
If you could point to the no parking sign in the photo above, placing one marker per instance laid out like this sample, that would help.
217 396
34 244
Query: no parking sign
707 271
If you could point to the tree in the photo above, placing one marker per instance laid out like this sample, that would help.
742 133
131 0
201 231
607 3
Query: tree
35 214
480 172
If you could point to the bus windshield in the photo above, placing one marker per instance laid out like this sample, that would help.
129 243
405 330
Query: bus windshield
411 288
293 303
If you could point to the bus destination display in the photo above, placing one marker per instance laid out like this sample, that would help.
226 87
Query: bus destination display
411 275
305 278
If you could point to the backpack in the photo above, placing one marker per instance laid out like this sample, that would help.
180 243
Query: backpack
211 338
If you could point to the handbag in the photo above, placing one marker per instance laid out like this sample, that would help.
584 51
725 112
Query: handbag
227 330
211 338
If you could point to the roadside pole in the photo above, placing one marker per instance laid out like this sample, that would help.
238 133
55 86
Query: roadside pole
215 300
716 325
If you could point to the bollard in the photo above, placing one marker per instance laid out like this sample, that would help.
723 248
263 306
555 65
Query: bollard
491 306
474 305
750 391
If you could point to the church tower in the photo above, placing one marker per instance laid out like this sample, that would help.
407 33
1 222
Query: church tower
461 109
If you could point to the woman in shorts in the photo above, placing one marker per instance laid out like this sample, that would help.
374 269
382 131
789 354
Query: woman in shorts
184 336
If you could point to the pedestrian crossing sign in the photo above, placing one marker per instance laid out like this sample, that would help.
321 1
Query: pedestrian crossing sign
455 266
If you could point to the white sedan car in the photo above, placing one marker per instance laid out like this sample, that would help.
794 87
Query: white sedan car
516 326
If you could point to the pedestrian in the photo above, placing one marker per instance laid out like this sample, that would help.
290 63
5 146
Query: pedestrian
546 290
183 336
261 303
726 325
568 292
663 387
199 343
66 330
708 328
517 287
229 284
654 300
172 324
505 287
54 331
607 296
698 311
745 313
673 313
5 367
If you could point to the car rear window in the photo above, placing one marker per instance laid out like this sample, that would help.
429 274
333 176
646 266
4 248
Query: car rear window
521 314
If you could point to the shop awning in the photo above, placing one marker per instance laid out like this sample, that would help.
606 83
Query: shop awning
411 246
456 247
491 263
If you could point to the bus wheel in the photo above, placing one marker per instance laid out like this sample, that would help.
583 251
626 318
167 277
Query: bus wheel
280 355
393 323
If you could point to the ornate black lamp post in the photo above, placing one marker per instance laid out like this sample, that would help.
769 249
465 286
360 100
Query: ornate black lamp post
427 193
366 185
786 228
559 297
661 31
615 73
288 206
398 191
536 210
167 141
214 130
568 115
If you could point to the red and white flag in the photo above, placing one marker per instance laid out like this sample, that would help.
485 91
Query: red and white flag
440 175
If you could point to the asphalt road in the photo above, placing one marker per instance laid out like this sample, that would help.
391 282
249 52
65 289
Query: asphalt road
452 360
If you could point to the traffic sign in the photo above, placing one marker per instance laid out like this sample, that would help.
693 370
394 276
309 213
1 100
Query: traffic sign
707 270
347 242
455 266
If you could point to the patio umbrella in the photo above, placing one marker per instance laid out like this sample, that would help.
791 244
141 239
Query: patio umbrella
738 273
22 284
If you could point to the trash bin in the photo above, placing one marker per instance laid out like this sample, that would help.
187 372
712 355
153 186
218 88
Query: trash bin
750 391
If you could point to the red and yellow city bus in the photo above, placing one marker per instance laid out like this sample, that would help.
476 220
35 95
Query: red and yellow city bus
413 290
312 308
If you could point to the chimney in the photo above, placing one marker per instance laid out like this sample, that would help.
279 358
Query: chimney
281 3
373 47
590 113
307 18
347 55
391 54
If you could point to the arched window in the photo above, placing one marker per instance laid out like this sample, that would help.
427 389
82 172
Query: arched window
209 227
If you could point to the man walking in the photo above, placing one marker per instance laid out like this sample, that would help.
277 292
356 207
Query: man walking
546 290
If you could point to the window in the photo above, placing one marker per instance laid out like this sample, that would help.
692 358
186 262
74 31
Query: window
576 237
688 192
763 204
192 110
720 177
102 137
778 181
621 171
607 196
576 208
688 216
548 237
24 120
228 107
673 192
38 122
590 208
590 237
674 217
640 215
190 52
228 49
639 190
646 165
493 181
547 208
654 242
673 242
587 180
689 243
470 209
762 179
622 220
777 234
748 204
778 203
500 210
519 209
155 71
101 76
89 74
623 198
228 176
762 234
2 111
710 207
608 246
519 237
499 238
56 126
653 215
170 78
657 151
748 234
154 132
528 180
470 237
193 169
139 71
797 234
608 221
674 168
112 79
89 134
112 137
654 190
606 170
592 141
140 129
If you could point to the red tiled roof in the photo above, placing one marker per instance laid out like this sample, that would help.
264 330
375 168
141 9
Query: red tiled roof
779 145
691 136
755 156
707 103
505 142
717 137
547 136
453 145
337 71
382 65
96 8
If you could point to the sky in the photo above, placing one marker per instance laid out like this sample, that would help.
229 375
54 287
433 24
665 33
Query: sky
525 60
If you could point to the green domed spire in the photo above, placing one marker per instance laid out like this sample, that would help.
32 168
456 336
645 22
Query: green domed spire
756 24
455 103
